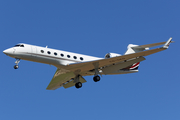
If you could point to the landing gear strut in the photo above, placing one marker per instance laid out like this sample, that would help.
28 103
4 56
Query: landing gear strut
96 77
17 62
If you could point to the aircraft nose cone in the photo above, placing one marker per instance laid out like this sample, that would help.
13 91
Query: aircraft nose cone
8 51
5 52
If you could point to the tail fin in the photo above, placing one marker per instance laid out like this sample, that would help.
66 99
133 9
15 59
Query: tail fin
134 49
139 48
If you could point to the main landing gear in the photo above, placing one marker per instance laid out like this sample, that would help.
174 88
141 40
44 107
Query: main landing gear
96 77
77 82
17 62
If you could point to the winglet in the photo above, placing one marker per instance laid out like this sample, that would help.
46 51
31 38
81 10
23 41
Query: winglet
166 45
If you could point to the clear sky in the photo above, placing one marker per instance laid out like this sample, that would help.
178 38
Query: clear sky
91 27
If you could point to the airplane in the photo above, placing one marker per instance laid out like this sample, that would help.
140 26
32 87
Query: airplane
71 67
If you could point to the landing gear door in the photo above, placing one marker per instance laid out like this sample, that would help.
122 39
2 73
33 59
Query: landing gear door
33 50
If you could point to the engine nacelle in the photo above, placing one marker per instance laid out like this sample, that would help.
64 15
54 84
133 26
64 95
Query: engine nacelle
110 55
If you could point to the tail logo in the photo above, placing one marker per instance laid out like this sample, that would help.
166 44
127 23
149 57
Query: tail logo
135 66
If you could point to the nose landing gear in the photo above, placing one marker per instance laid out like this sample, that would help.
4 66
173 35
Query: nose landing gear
17 62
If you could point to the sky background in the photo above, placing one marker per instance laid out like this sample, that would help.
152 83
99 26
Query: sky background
91 27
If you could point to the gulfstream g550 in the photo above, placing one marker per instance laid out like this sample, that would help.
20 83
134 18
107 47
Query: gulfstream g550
71 67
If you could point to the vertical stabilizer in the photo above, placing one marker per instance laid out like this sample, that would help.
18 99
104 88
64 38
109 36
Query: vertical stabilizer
134 49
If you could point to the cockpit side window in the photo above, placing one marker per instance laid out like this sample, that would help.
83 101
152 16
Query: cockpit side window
18 45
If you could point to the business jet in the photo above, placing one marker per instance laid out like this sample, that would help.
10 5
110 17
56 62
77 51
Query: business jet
71 67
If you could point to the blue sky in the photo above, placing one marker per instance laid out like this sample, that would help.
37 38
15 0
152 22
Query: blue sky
94 28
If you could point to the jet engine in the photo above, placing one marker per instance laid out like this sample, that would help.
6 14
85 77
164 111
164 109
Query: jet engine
110 55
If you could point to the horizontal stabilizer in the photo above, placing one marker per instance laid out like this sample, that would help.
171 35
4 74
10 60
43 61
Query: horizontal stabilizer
154 44
150 45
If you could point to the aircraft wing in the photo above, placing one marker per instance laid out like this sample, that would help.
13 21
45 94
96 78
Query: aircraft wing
63 78
86 66
60 78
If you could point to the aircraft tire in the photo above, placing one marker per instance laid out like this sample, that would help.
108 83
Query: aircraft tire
96 78
78 85
16 67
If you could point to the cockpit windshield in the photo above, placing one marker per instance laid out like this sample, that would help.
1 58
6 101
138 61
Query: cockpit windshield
18 45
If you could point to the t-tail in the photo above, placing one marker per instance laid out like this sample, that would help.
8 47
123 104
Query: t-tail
134 49
139 48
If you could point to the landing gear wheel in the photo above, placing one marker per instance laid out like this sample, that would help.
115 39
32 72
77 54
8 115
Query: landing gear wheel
96 78
78 85
16 67
17 62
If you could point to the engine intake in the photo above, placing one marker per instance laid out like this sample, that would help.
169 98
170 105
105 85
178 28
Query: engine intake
110 55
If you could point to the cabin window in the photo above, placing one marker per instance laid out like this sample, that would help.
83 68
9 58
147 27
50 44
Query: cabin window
49 52
42 51
75 57
81 58
62 55
55 53
21 45
68 56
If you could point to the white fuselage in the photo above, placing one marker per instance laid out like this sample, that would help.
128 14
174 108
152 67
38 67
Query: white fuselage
46 55
57 58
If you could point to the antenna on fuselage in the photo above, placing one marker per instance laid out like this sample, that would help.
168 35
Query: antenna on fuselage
46 46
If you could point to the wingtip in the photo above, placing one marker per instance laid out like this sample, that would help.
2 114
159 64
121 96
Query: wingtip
166 45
